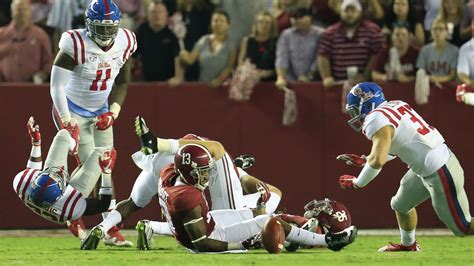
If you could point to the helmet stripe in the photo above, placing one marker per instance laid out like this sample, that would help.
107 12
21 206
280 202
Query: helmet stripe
28 183
107 9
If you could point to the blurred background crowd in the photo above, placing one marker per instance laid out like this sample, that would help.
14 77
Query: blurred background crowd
331 41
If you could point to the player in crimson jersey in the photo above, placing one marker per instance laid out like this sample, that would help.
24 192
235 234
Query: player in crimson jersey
183 203
50 192
89 81
395 129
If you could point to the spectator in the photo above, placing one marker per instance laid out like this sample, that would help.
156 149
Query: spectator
260 46
398 61
431 12
351 42
242 15
25 49
5 15
403 14
466 21
158 47
466 62
133 12
215 52
196 15
297 50
439 58
451 12
326 12
282 10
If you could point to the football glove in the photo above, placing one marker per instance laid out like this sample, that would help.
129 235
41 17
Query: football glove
107 161
33 131
264 194
148 142
104 121
347 182
352 159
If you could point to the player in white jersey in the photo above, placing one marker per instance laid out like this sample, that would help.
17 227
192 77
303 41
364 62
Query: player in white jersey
227 189
90 72
396 130
50 192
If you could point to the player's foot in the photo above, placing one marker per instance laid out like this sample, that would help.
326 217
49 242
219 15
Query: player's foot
461 90
115 238
392 247
337 241
244 161
93 238
254 242
145 235
77 228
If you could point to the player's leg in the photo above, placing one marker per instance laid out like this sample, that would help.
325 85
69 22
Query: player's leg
58 151
229 217
249 186
410 194
87 176
449 199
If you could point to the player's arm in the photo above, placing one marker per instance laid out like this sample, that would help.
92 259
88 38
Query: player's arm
381 142
196 229
35 161
249 185
60 75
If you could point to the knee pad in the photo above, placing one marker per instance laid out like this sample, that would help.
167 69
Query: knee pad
396 206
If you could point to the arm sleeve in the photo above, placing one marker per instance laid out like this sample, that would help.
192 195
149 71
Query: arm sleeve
282 51
463 61
59 79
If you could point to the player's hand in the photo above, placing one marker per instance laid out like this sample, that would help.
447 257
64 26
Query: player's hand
265 194
353 159
347 182
148 142
107 161
33 131
104 121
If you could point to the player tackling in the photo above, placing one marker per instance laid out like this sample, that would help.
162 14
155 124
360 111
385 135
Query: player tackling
396 130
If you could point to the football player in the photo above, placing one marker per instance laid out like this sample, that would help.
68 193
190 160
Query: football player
227 189
50 192
89 81
183 203
395 129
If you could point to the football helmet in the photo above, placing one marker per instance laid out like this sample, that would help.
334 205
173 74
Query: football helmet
361 100
195 165
48 187
332 215
102 21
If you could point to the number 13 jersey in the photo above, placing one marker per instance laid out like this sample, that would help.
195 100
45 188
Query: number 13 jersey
418 144
95 71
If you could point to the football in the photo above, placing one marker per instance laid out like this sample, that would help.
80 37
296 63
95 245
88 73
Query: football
273 236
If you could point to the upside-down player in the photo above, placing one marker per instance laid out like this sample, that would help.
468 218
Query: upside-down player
395 129
92 64
52 193
227 189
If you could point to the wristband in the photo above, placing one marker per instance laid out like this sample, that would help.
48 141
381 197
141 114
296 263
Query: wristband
115 109
367 174
168 145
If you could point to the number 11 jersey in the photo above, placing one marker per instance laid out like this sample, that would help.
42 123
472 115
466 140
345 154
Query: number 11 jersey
96 69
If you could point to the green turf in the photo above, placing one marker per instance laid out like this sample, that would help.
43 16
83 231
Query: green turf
65 251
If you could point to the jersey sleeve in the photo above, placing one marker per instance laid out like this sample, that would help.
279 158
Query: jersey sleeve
375 121
187 200
66 44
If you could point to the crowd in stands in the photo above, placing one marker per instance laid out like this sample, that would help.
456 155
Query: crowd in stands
287 40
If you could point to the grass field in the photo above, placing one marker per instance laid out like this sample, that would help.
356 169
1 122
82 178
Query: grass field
64 250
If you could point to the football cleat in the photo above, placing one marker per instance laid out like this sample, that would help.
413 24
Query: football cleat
115 238
337 241
145 235
392 247
148 142
244 161
77 228
93 238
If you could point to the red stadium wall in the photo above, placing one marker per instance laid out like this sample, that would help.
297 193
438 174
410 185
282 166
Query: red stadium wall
299 159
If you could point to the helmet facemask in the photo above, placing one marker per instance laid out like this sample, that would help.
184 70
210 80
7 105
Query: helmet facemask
315 207
102 32
203 175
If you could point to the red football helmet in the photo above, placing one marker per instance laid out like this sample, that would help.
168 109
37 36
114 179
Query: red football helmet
195 164
332 215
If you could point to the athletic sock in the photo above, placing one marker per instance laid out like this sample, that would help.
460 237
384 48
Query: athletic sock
407 237
305 237
112 219
161 228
